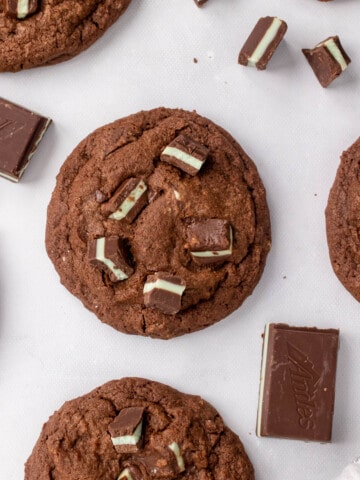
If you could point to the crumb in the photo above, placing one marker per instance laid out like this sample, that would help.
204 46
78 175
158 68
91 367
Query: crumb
195 60
315 194
284 277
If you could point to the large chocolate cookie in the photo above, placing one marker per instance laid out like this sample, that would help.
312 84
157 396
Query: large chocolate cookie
343 221
135 429
43 32
159 223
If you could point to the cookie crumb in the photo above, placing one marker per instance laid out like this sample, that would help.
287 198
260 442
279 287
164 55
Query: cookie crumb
195 60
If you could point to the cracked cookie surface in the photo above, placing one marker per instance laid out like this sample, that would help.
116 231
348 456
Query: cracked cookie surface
183 437
226 194
56 31
343 221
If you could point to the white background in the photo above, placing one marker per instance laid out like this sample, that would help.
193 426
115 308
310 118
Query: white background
52 349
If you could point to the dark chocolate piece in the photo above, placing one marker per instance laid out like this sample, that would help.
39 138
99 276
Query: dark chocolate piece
297 389
126 430
127 201
200 3
209 240
328 60
20 133
262 42
109 254
164 291
186 154
20 8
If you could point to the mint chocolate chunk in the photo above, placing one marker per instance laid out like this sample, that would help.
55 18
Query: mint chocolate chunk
327 59
185 153
127 201
262 42
20 8
209 240
164 291
126 430
109 254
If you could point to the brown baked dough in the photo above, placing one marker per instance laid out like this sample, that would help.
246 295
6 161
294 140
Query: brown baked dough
343 221
75 443
57 31
227 187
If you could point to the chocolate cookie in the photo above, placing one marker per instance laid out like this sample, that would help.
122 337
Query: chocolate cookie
135 429
44 32
343 221
159 223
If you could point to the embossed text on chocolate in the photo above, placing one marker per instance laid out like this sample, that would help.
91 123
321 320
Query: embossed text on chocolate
304 379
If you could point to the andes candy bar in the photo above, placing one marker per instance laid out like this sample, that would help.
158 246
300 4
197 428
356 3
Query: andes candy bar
262 42
164 291
297 387
209 240
108 254
328 60
20 133
128 200
20 8
186 154
126 430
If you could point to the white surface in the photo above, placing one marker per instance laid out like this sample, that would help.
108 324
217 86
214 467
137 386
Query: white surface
52 349
351 471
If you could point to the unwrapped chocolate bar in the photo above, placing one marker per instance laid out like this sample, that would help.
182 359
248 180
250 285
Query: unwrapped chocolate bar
297 387
20 133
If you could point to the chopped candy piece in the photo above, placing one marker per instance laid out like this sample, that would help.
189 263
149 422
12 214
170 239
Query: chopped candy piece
108 254
128 200
164 291
328 60
127 430
262 42
209 240
20 8
186 154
